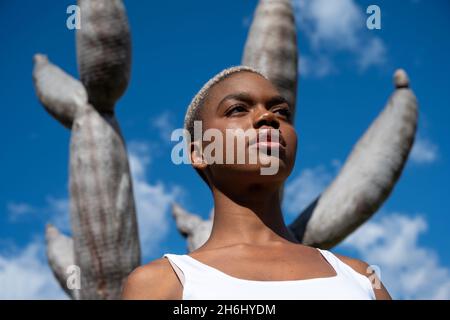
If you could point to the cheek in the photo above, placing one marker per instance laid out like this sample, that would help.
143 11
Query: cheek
223 125
290 135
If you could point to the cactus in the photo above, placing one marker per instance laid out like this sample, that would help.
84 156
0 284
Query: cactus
105 244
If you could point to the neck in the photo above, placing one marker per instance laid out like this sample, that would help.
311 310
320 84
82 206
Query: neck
251 215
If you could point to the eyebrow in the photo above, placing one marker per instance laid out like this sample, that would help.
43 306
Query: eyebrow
241 96
277 100
245 97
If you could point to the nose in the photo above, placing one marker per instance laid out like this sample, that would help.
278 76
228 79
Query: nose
266 118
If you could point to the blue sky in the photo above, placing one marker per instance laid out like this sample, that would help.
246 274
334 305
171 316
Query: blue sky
345 80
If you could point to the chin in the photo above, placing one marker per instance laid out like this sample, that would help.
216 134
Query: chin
249 173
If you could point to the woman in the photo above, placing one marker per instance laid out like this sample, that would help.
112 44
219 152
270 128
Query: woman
250 254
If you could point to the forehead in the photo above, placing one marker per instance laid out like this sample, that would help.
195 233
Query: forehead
252 83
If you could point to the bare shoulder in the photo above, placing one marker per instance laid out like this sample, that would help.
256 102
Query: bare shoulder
363 268
153 281
356 264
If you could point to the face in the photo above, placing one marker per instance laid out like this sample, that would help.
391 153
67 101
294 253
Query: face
244 101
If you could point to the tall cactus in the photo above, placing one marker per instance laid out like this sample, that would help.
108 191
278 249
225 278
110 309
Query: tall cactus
105 243
370 172
272 46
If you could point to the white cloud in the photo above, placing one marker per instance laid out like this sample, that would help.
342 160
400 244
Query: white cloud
331 23
17 210
26 275
408 270
337 26
55 211
164 124
304 188
373 54
153 201
424 151
316 67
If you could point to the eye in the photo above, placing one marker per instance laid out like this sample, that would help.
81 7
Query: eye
236 109
285 112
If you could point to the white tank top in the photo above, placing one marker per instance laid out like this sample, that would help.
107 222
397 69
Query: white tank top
203 282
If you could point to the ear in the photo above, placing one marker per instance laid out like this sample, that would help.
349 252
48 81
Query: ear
196 156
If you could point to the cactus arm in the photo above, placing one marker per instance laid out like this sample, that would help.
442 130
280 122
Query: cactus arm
60 256
192 227
368 175
60 93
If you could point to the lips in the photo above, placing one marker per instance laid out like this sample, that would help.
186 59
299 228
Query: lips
264 137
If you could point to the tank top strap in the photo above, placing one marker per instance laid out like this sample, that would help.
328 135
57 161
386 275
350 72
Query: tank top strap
332 260
339 265
185 268
345 270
